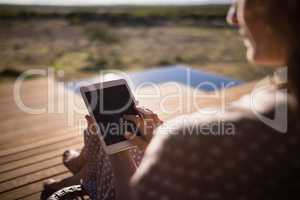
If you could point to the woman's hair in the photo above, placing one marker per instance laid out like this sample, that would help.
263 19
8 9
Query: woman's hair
284 16
293 37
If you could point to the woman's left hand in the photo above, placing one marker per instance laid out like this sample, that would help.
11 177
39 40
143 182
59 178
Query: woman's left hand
146 122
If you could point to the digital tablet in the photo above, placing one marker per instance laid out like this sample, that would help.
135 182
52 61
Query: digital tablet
107 102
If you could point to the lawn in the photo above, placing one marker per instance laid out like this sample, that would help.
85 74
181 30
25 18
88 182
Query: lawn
82 41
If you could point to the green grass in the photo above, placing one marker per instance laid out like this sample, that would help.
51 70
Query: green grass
84 42
102 33
134 11
71 60
179 11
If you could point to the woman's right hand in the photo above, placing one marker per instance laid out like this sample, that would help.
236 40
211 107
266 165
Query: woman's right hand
146 122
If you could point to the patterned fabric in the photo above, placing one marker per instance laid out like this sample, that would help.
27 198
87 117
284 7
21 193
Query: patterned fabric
185 161
99 182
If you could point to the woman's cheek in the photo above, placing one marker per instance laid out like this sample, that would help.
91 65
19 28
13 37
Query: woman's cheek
251 53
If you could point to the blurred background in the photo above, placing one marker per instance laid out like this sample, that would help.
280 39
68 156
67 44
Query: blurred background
82 37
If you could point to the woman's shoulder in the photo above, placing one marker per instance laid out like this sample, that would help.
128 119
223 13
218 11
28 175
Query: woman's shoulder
201 147
250 108
253 114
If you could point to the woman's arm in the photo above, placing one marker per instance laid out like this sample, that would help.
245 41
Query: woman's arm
122 163
123 169
146 122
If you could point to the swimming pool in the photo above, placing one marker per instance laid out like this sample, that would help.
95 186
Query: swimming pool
182 74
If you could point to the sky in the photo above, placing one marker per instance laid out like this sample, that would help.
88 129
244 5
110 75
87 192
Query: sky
111 2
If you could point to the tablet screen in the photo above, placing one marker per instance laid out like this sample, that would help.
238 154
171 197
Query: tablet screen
108 106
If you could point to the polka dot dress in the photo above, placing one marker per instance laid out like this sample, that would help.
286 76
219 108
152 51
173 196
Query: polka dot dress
99 181
256 162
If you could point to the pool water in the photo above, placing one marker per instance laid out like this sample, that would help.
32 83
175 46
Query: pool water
182 74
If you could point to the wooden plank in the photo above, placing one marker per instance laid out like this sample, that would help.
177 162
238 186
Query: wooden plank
41 150
35 196
36 101
19 172
33 177
36 136
6 89
31 154
62 137
28 190
30 122
35 159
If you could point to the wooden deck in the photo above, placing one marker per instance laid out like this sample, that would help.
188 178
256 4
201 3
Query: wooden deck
31 145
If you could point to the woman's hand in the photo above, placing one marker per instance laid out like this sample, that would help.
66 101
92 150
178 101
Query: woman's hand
92 127
146 122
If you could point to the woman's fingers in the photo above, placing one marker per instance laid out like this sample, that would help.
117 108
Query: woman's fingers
145 111
136 140
149 115
89 119
146 122
137 120
92 126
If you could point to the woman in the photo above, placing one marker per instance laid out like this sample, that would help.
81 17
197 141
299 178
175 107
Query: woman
94 169
257 162
183 161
